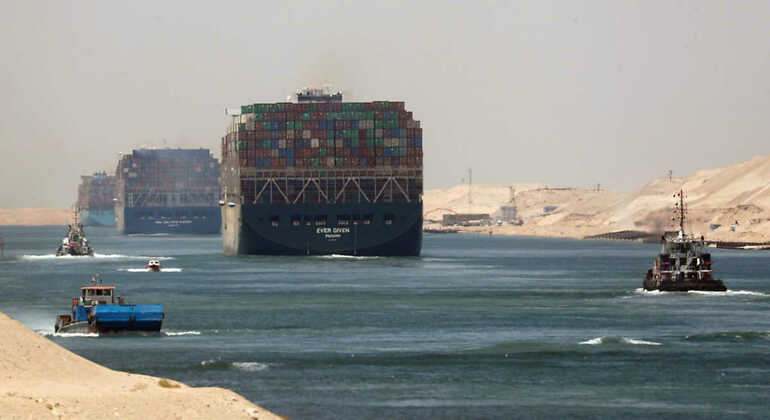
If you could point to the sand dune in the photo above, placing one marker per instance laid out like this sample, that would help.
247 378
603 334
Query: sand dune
717 198
39 379
35 217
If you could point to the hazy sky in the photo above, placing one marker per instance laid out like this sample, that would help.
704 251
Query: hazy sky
568 93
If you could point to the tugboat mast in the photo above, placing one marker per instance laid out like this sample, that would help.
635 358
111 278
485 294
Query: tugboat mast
681 212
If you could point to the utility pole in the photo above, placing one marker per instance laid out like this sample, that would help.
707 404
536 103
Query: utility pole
670 175
470 190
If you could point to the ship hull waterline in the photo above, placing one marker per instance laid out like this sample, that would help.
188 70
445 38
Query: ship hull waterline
273 229
684 285
84 327
169 220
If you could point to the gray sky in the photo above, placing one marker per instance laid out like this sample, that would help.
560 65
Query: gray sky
568 93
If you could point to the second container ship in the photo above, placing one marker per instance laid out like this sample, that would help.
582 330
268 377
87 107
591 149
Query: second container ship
95 199
167 191
323 176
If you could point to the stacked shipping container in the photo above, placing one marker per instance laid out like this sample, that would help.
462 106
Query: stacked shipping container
168 191
96 191
326 135
96 195
170 176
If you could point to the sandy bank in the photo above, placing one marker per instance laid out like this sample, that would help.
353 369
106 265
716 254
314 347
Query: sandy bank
728 204
35 217
39 379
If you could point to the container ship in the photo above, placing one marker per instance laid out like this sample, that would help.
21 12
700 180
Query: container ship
322 176
171 191
95 199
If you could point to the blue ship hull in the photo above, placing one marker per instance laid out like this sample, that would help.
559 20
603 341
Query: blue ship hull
98 217
171 220
112 318
364 229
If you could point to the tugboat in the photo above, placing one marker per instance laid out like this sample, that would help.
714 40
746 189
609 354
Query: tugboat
153 265
75 243
683 263
99 310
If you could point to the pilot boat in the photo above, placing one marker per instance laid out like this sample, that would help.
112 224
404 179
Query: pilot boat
153 265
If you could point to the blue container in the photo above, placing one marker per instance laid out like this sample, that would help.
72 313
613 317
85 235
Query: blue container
128 317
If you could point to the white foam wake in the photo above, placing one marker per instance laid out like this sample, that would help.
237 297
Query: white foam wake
640 342
701 292
729 293
618 340
74 335
250 366
147 270
593 341
88 258
346 257
642 291
178 333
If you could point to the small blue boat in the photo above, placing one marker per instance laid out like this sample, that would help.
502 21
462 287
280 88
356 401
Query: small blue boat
99 310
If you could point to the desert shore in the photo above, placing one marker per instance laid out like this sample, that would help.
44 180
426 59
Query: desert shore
35 217
40 379
727 204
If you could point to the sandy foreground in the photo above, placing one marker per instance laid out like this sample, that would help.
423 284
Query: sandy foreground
40 379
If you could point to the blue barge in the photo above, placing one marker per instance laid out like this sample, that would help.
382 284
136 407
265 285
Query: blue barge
99 310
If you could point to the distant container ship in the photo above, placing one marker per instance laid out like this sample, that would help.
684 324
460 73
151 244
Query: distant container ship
168 191
96 195
323 176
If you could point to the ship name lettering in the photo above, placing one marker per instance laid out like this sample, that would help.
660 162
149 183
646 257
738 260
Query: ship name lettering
327 230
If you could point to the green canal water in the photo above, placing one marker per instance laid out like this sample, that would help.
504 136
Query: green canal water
478 327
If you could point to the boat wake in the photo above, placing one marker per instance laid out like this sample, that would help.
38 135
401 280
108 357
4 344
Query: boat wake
68 335
147 270
250 366
88 258
618 340
242 366
346 257
729 293
730 336
644 292
48 333
180 333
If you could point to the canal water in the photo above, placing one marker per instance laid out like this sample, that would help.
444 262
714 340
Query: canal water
478 327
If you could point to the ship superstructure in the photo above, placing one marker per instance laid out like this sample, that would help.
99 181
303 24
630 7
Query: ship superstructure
168 191
323 176
96 195
683 263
